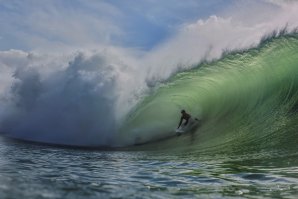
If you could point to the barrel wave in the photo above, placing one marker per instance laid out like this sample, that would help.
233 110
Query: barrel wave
247 100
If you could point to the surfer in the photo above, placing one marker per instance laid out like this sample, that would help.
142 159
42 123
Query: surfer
185 116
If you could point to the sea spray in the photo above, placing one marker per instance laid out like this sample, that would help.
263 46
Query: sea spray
74 105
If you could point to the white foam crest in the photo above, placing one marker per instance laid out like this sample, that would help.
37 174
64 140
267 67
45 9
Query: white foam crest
80 102
208 39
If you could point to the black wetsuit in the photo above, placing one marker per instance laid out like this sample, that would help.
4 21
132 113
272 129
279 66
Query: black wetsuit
186 117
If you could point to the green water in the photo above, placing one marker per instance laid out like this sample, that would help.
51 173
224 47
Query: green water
247 98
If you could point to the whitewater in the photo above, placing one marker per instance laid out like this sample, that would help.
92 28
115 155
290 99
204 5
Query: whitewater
95 102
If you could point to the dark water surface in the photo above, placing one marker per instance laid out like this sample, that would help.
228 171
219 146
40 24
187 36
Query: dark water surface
36 171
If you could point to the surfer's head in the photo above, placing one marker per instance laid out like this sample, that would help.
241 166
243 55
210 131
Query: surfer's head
182 111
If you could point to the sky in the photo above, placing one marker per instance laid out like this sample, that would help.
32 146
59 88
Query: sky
139 24
34 24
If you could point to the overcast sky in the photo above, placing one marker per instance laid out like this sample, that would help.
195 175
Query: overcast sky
40 24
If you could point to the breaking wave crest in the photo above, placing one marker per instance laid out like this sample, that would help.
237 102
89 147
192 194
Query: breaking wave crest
246 96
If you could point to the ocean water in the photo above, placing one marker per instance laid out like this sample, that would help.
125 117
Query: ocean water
39 171
245 145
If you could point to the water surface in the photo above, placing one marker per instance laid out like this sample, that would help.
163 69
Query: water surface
38 171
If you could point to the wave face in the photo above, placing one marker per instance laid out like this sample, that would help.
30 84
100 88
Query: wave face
96 99
247 98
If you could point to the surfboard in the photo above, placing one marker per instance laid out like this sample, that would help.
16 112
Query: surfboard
179 131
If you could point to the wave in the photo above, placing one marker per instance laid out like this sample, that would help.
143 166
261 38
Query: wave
246 98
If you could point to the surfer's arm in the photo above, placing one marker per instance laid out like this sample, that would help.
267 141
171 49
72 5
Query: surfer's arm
180 122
